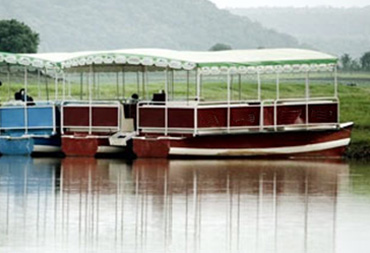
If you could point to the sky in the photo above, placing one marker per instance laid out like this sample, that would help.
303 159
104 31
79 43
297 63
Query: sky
295 3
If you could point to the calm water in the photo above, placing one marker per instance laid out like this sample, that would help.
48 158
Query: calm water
88 205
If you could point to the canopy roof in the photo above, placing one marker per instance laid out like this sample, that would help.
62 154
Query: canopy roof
274 60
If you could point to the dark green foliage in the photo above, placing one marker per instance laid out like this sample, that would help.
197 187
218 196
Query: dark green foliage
220 47
17 37
365 61
345 61
75 25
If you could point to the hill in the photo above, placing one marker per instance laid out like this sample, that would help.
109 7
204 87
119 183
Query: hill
334 30
72 25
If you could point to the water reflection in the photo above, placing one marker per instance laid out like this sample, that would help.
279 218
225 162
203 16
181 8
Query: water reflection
84 204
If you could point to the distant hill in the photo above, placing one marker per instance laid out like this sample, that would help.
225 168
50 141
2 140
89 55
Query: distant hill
71 25
334 30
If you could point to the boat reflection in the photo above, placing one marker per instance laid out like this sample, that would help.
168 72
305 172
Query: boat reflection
174 205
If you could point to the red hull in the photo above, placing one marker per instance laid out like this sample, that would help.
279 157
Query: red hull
282 144
89 146
79 146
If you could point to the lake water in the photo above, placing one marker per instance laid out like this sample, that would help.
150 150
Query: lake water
107 205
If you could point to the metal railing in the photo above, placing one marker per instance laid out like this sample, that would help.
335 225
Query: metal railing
90 128
26 107
228 128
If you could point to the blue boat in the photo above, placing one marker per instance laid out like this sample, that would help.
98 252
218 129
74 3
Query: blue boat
27 129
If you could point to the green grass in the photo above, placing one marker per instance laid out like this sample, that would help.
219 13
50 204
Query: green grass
354 100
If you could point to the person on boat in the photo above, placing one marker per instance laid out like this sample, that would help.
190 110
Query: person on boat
21 95
134 98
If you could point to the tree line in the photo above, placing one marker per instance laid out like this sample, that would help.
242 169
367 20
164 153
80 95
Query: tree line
347 63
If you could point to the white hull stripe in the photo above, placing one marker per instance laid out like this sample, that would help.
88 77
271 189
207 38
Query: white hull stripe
46 149
109 149
260 151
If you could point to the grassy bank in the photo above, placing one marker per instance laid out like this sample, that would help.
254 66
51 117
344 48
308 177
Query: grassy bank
354 99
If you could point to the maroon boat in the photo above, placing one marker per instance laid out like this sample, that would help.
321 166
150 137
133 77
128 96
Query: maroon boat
205 107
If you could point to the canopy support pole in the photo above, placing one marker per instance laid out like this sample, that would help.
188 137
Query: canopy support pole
143 83
8 79
229 80
25 101
123 83
307 94
91 83
277 86
240 86
199 77
335 82
117 85
46 85
166 103
200 86
138 83
173 84
64 84
336 92
56 86
187 86
69 85
81 85
259 85
38 84
98 84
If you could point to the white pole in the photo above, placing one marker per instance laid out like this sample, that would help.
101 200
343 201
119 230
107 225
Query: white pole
277 98
25 101
117 84
277 86
187 86
240 87
197 103
69 86
259 85
8 80
144 82
90 98
166 104
38 84
307 96
228 100
138 83
123 83
335 82
64 85
199 76
56 86
98 84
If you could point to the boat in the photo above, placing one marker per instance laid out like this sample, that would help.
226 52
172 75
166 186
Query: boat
27 126
176 117
307 126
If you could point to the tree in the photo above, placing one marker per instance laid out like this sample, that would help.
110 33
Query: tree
365 61
346 61
17 37
220 47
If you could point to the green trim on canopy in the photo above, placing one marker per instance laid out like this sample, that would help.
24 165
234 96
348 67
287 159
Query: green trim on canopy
187 60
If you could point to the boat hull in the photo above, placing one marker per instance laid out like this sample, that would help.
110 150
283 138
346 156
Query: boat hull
297 143
16 146
88 146
29 145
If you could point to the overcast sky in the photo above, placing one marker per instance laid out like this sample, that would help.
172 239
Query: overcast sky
296 3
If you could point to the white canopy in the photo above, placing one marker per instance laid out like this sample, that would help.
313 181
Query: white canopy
242 61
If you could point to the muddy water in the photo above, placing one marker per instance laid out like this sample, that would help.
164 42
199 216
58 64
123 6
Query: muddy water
89 205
